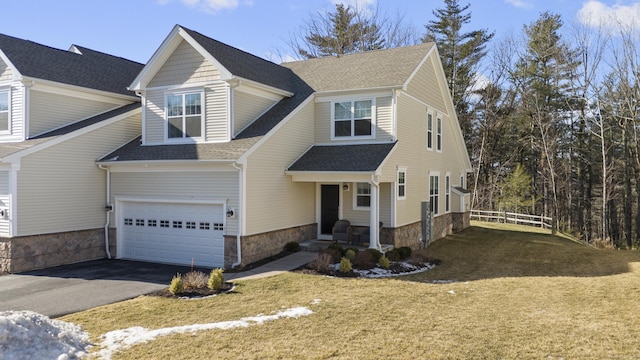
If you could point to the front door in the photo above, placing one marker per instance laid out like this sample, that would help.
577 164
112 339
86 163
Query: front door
329 207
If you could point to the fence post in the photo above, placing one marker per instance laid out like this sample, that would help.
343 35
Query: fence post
553 225
505 216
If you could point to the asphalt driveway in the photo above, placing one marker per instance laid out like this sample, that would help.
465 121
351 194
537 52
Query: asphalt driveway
71 288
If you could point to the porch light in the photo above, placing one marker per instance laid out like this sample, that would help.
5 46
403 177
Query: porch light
230 213
345 187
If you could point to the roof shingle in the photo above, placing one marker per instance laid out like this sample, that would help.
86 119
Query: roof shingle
347 158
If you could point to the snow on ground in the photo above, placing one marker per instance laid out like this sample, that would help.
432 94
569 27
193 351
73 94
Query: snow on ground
408 269
29 335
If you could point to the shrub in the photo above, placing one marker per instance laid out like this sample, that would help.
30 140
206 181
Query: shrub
393 255
335 254
216 279
375 254
364 260
384 262
338 247
176 286
405 252
194 280
292 246
350 254
345 265
322 262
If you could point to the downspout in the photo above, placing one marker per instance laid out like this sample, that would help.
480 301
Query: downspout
375 209
109 209
239 211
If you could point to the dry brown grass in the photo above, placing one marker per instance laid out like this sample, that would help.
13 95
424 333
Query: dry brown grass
517 294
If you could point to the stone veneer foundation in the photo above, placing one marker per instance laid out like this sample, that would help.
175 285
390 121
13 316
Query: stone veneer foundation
42 251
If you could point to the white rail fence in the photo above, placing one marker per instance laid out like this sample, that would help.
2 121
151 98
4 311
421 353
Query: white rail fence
540 221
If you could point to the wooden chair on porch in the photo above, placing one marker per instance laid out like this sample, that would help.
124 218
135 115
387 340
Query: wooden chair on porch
365 235
341 231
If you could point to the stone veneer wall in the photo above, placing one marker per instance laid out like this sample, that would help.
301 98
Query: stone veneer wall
42 251
461 221
260 246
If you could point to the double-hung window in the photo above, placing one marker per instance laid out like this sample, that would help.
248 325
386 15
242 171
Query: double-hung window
429 131
184 115
4 111
402 183
447 193
363 195
439 134
353 119
434 193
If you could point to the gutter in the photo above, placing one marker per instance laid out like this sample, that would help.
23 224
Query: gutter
109 209
239 212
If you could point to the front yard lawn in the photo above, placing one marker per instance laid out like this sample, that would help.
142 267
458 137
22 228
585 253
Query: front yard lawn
500 292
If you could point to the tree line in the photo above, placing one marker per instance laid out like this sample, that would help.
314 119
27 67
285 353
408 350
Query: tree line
550 115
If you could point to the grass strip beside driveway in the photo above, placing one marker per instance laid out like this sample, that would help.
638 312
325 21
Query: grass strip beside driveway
517 293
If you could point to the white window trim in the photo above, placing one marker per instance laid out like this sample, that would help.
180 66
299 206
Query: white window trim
429 131
437 194
355 197
439 133
353 137
8 91
447 193
398 184
186 139
462 178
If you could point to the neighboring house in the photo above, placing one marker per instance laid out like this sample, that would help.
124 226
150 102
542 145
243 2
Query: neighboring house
59 112
239 156
234 156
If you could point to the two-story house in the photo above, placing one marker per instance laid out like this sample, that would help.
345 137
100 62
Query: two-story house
213 156
60 110
238 155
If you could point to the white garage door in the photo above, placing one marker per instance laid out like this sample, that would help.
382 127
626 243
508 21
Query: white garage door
173 233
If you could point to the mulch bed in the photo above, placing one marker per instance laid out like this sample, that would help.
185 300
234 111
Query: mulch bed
194 293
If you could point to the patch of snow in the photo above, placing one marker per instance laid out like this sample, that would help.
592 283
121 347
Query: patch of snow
122 339
29 335
451 292
408 270
315 302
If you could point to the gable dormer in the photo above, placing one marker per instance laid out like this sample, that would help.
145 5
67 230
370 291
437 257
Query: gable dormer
198 90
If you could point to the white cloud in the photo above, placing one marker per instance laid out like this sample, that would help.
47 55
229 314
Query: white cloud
356 4
212 6
595 13
520 4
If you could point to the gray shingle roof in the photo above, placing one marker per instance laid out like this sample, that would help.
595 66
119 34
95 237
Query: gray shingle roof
12 148
371 69
92 69
348 158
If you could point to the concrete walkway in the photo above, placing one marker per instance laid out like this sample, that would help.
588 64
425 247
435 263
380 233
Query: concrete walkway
276 267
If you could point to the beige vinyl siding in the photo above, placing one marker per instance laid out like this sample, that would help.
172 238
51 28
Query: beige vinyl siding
216 108
273 200
215 114
361 217
5 71
61 189
426 85
49 111
185 66
179 185
247 108
384 121
16 91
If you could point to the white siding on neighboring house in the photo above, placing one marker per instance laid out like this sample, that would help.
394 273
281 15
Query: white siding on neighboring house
49 111
17 114
179 185
5 204
185 66
217 114
61 189
273 200
247 108
5 72
384 121
154 122
4 182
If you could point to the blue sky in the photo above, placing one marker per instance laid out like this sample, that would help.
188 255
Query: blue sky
135 28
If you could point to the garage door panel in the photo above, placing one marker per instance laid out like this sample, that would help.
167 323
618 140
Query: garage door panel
173 233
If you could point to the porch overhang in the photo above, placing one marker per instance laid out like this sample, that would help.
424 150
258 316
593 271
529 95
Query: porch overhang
330 176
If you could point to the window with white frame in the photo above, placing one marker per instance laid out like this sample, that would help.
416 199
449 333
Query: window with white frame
447 193
184 115
402 183
4 111
429 131
434 193
353 119
462 181
362 195
439 134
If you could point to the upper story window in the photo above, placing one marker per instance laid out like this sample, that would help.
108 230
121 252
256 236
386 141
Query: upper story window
184 115
4 111
352 119
439 134
429 131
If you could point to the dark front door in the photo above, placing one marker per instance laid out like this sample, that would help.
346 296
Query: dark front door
329 203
